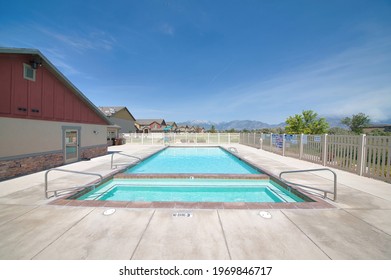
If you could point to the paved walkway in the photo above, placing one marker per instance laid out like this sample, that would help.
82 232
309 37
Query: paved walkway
358 227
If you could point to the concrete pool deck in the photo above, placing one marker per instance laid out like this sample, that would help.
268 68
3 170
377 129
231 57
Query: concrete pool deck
357 227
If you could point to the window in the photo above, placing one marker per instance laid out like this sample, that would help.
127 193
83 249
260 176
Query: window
28 72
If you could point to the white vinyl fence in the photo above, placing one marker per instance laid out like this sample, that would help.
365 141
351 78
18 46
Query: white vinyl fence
364 155
182 138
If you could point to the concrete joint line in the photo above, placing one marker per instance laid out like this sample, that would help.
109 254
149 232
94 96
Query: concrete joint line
225 239
58 237
142 235
367 193
358 218
306 235
20 214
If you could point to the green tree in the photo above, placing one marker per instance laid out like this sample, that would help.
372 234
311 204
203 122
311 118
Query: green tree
212 129
306 123
278 130
338 131
378 132
357 122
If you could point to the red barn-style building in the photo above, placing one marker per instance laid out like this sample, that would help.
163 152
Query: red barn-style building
45 121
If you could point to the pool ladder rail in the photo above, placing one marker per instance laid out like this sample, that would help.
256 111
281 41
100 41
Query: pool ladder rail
112 165
64 191
233 150
325 192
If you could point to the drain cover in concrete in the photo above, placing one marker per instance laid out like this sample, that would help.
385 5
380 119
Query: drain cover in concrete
265 214
109 212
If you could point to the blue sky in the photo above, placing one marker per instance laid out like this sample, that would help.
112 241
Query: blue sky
215 60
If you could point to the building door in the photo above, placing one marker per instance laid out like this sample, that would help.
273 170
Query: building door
71 145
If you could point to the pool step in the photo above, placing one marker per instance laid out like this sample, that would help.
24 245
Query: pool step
193 176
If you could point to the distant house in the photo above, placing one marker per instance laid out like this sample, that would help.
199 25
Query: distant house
190 129
183 128
150 125
121 117
199 129
171 127
45 121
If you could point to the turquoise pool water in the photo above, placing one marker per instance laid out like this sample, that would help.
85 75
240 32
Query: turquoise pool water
191 190
204 160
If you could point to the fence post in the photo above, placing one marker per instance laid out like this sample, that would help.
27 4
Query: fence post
261 142
301 147
271 142
283 144
324 149
360 155
229 138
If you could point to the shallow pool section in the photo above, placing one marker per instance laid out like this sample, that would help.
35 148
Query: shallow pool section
191 190
205 160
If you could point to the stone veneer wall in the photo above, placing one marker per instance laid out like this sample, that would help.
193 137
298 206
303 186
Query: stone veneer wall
27 165
91 152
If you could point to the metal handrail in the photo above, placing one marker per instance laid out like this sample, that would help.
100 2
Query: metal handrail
72 188
112 159
233 149
312 170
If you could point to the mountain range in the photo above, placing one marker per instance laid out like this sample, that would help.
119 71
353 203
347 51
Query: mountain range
236 124
251 124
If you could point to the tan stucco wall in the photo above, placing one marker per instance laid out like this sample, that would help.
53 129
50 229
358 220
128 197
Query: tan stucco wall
25 136
123 114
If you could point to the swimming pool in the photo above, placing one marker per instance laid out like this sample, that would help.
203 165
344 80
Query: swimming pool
191 190
205 160
196 174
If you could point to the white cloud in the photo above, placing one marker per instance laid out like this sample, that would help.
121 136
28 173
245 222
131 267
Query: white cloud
167 29
352 81
79 41
376 105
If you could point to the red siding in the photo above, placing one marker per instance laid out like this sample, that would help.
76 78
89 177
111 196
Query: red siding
68 105
35 96
152 125
19 92
84 113
76 110
46 98
58 101
5 86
